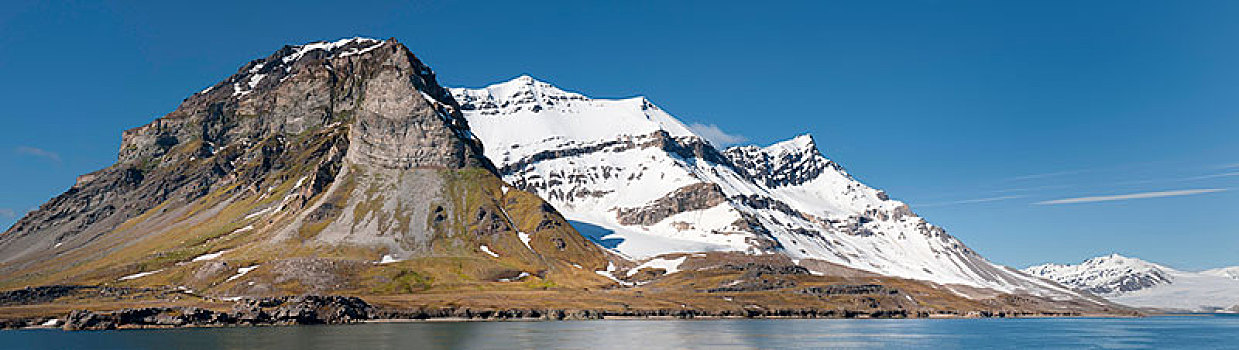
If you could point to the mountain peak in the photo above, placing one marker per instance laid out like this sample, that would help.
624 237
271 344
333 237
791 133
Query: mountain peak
525 82
521 93
355 45
1116 259
799 144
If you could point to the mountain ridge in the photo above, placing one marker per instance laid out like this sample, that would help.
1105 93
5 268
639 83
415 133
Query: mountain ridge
590 156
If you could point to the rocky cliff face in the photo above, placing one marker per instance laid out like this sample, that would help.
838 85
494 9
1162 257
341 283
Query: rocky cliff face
302 171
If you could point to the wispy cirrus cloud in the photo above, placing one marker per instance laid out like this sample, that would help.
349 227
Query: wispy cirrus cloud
1212 176
39 152
1130 196
1046 175
715 135
971 201
7 213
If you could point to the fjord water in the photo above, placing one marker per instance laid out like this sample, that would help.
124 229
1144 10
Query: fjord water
1204 332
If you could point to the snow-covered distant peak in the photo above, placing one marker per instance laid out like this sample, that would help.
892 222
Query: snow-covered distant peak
1228 272
1116 260
1112 262
1107 275
1140 283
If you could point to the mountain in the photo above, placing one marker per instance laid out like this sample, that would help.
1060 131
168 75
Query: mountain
337 181
323 168
1139 283
641 183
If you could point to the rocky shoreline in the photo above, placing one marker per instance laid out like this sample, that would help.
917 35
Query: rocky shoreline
334 310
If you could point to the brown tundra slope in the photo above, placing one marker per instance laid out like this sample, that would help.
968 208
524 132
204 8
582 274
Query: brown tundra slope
344 168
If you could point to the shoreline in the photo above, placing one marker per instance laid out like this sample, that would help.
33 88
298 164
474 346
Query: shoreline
60 324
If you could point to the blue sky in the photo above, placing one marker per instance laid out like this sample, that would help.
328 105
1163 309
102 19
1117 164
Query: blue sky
1035 131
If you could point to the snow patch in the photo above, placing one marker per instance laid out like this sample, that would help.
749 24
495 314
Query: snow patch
241 272
524 239
517 278
387 259
139 275
671 265
609 273
262 212
486 250
209 256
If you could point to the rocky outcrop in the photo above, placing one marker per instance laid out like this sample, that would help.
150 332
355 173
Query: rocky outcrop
796 162
50 294
36 295
692 197
849 289
291 310
487 314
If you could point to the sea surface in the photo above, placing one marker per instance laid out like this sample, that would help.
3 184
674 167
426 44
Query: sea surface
1171 332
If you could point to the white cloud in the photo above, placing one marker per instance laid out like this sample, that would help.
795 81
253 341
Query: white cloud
39 152
971 201
1046 175
1214 176
716 136
1122 197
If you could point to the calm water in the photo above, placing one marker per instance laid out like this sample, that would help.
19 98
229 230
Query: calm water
1221 332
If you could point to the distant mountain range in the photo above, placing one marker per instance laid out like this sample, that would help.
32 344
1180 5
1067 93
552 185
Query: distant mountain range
1140 283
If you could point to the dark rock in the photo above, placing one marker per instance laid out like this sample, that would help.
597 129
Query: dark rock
849 289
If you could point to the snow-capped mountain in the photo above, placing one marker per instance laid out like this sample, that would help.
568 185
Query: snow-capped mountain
638 181
1136 282
1110 275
